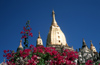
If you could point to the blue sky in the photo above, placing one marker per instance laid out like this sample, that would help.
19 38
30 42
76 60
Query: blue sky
78 19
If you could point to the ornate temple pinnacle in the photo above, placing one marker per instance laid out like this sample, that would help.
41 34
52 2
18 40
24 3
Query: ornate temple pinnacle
53 15
54 23
92 47
55 35
20 41
91 42
84 44
83 40
39 40
39 35
20 46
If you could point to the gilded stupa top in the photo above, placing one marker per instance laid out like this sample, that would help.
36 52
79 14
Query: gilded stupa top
55 35
92 47
20 46
54 23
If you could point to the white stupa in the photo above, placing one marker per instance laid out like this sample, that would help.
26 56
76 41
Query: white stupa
55 35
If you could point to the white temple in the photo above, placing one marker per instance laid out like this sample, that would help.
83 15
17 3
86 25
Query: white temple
55 35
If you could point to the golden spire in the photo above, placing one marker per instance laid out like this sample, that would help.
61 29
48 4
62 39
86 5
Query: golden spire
39 35
54 23
53 14
91 43
83 40
20 46
92 47
84 44
55 35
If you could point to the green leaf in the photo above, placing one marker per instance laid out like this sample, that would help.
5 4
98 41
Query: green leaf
30 56
27 41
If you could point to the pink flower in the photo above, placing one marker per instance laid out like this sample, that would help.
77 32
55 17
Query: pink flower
31 46
21 32
24 28
89 62
22 37
25 36
54 52
64 54
30 34
30 28
4 56
5 51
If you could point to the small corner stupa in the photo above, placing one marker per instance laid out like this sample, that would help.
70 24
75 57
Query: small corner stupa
20 46
39 41
92 48
84 47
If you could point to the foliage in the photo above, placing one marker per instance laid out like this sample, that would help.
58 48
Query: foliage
40 55
26 33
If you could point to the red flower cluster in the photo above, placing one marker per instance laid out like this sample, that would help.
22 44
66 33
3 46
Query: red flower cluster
89 62
10 63
71 55
6 51
8 54
24 53
55 57
26 33
27 30
39 55
33 60
48 54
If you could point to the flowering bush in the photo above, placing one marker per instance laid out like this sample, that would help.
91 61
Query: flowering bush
89 62
26 33
42 55
39 55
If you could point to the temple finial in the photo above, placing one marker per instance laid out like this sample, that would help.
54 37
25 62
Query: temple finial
20 46
39 41
39 35
83 40
20 41
54 23
91 42
92 47
84 44
53 15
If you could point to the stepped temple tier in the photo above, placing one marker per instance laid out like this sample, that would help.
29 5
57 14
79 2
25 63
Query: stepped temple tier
56 37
